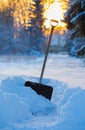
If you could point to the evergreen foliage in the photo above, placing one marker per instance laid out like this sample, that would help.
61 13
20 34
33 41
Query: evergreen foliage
76 9
22 26
37 37
75 19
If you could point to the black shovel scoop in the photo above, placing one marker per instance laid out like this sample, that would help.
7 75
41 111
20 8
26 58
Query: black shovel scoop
39 88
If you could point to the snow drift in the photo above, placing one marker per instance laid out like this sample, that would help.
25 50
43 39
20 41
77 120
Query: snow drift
21 105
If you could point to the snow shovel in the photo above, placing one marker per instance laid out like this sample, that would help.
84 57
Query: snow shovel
39 88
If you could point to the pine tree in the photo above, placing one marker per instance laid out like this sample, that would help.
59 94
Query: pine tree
75 19
75 12
36 25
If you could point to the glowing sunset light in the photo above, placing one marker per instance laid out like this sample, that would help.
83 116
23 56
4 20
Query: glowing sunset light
22 12
5 0
54 12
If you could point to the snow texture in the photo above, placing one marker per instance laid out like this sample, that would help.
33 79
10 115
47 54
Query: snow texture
22 109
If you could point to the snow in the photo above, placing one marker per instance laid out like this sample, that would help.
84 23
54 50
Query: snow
82 47
22 109
76 18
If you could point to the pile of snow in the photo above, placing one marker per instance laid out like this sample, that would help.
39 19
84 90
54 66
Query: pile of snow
19 102
22 109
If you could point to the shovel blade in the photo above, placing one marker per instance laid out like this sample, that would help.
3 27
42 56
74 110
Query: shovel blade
40 89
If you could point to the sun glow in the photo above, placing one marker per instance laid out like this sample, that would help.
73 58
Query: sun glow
54 12
5 1
22 13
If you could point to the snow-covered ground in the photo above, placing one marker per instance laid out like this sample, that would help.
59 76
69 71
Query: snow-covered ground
22 109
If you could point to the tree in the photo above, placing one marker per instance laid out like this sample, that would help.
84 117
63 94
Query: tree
75 19
6 25
37 38
73 13
6 14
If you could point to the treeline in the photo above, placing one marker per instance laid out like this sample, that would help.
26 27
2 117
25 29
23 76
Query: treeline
21 26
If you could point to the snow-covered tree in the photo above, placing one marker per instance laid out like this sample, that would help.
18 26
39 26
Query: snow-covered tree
75 11
75 19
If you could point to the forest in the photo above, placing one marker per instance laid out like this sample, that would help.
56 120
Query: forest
23 28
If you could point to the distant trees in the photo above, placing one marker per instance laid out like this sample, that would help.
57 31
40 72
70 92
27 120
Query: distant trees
22 25
36 26
6 13
6 26
14 17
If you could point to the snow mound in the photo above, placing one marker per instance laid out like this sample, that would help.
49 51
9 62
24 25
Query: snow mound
22 108
19 102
